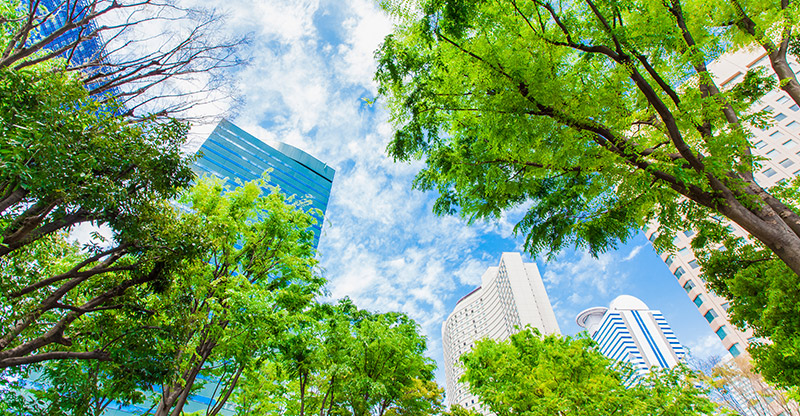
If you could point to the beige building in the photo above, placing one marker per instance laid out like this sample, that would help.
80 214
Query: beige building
510 297
780 143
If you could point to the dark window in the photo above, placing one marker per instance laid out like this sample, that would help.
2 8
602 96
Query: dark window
698 300
721 332
679 272
688 286
710 315
734 350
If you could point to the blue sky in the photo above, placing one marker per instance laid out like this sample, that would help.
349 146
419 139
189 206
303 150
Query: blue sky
311 71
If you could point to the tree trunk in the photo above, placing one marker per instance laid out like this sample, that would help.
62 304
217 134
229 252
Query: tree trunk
769 228
784 72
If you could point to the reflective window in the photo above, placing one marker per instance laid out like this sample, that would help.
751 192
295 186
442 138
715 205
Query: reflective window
780 117
679 272
689 285
698 300
721 332
734 350
710 315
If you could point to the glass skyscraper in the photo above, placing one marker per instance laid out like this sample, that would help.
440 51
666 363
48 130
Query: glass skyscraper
86 51
230 152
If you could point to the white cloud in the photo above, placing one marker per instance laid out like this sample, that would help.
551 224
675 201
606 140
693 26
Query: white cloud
633 252
706 347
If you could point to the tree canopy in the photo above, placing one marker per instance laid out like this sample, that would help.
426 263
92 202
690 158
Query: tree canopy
598 116
763 296
340 360
548 375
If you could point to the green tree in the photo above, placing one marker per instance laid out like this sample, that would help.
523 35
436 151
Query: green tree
763 296
67 160
340 360
554 375
599 114
257 272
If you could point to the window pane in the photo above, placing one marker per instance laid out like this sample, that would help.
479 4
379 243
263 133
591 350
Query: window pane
760 144
786 163
789 144
669 260
725 306
679 272
694 264
710 315
721 332
783 99
698 300
734 350
769 173
776 134
780 117
688 233
689 285
794 107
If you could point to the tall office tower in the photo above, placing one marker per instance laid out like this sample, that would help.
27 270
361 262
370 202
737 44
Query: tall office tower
86 51
780 143
629 331
230 152
510 297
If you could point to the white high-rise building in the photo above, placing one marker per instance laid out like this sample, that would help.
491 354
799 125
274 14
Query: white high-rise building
510 297
630 331
780 144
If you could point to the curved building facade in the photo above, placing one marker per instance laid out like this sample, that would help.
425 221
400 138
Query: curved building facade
510 297
630 331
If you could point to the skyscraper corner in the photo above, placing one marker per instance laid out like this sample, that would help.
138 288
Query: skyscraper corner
232 153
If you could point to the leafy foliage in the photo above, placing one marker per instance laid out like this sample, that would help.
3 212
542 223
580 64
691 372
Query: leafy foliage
763 297
553 375
232 301
597 116
340 360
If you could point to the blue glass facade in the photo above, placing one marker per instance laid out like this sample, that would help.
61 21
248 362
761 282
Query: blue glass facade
230 152
86 51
